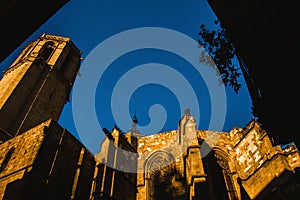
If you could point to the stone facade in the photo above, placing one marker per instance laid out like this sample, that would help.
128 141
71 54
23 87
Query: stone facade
39 159
45 162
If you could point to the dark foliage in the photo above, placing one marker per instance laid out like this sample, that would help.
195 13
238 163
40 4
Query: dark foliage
219 52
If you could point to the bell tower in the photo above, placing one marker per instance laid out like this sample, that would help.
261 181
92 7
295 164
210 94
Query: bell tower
37 84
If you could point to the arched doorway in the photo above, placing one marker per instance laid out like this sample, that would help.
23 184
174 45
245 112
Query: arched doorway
159 170
222 159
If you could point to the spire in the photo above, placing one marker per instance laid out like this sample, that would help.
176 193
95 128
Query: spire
134 119
134 130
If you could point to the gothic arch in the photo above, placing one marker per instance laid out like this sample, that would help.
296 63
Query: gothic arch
223 159
159 171
158 160
46 51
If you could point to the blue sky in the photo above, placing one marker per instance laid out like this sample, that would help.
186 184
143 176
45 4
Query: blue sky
151 74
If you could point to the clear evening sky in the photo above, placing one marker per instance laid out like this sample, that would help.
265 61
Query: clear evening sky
146 75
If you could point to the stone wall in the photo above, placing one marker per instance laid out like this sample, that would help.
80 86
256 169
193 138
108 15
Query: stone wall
19 162
47 163
167 162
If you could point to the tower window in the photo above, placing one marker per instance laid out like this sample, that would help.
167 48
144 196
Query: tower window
46 50
66 62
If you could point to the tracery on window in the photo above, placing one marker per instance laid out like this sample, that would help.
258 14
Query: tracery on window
222 160
160 174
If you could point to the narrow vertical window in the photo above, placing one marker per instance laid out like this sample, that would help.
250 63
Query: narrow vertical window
8 155
46 50
66 62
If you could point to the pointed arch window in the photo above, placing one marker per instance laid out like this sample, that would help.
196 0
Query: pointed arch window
222 160
46 50
160 170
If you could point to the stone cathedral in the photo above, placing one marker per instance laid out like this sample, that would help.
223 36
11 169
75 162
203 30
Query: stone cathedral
39 159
